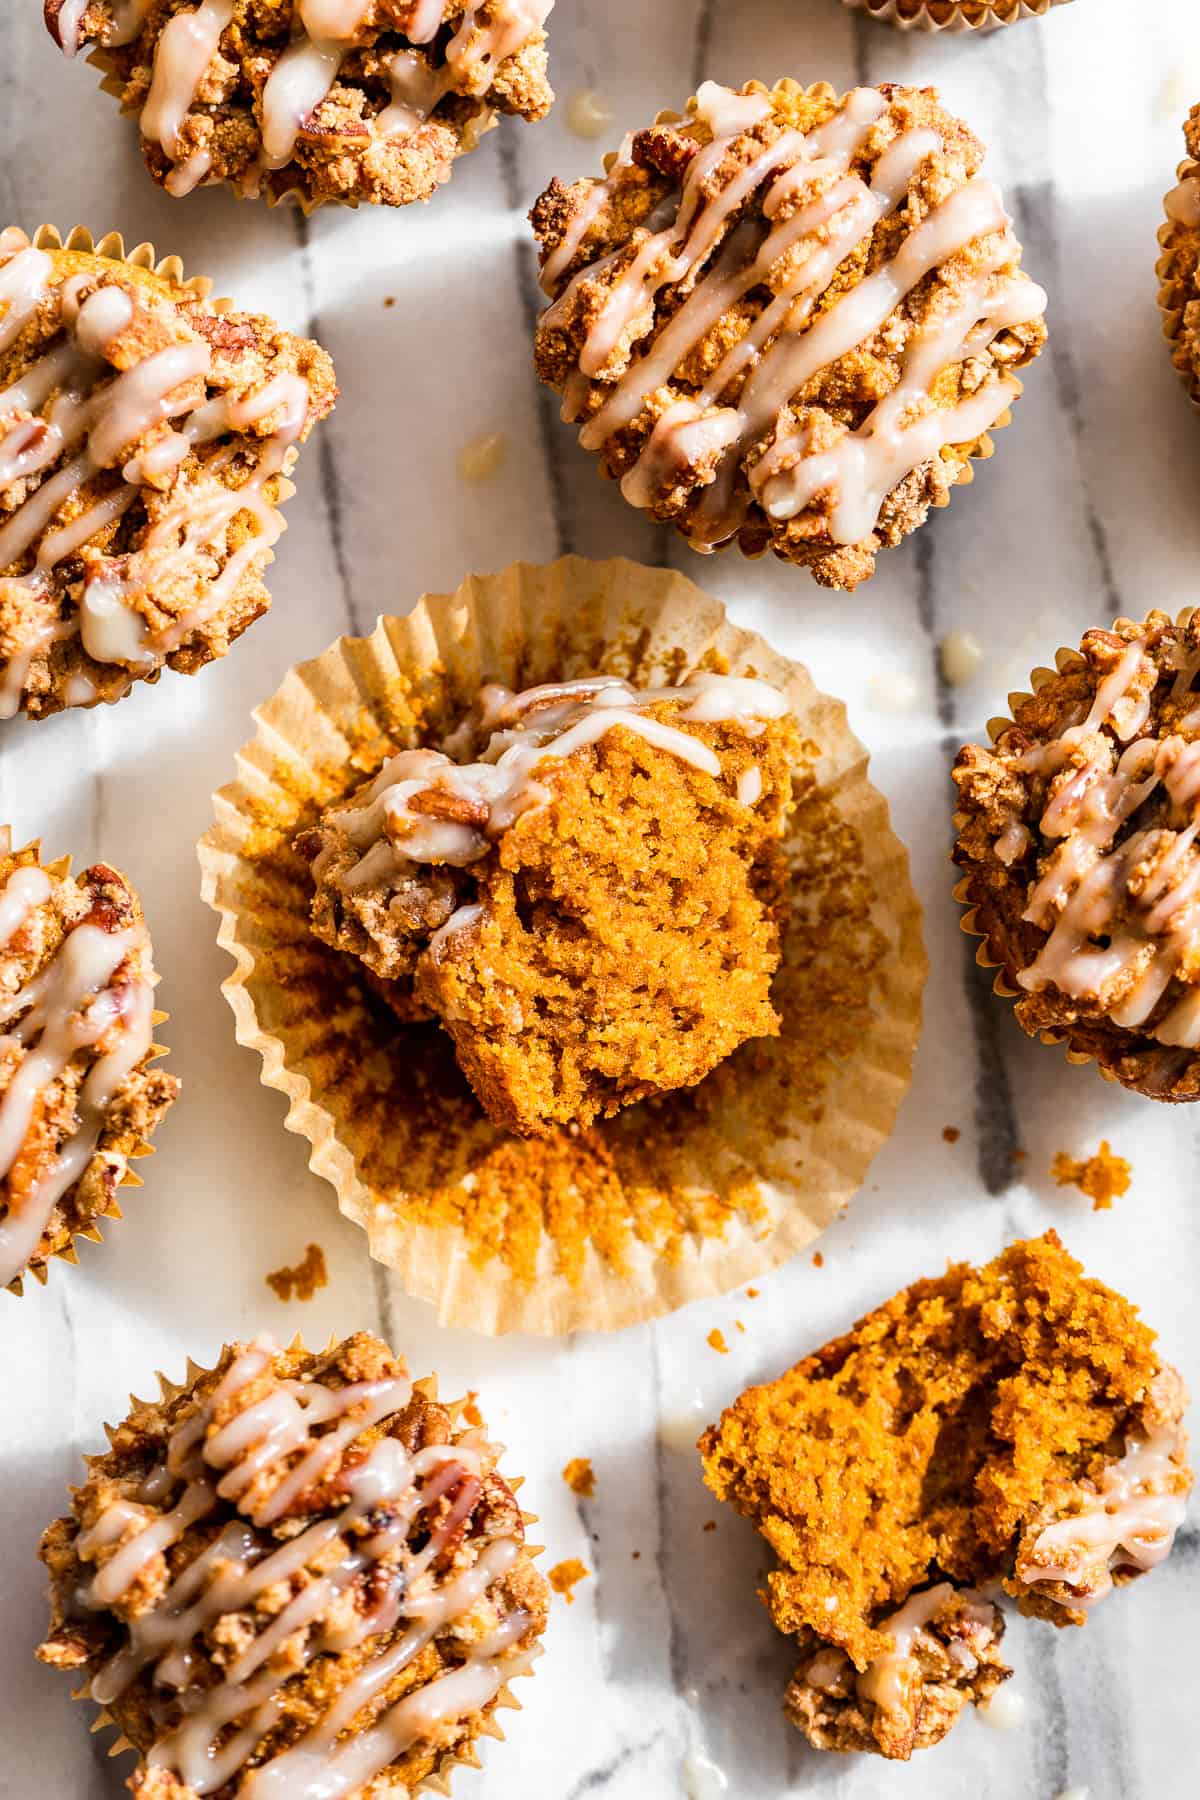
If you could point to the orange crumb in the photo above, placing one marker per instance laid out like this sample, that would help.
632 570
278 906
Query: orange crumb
752 1293
818 1260
390 300
711 1525
579 1477
302 1282
1019 1155
564 1576
716 1341
951 1133
739 1325
1103 1177
470 1408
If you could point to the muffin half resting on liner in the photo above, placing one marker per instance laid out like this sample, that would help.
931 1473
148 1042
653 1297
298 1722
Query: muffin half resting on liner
675 1196
1076 829
146 435
582 883
953 15
1179 265
1006 1426
78 1097
296 1574
313 100
788 320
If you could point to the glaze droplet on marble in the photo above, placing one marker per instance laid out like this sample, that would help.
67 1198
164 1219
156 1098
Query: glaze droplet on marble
702 1778
960 655
1005 1711
483 457
588 114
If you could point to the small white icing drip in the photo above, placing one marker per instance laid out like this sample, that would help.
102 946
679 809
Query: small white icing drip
523 731
237 1569
888 1676
785 348
960 657
1085 881
483 456
306 72
588 114
1005 1711
87 412
24 890
127 17
750 786
74 1004
1183 202
1129 1523
703 1779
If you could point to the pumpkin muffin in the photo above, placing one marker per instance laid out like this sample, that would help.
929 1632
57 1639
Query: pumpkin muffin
954 15
146 435
78 1097
1011 1424
1076 832
297 1569
1179 264
340 100
788 320
581 884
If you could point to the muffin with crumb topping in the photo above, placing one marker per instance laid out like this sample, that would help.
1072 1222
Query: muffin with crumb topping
788 320
954 15
79 1096
321 100
1179 264
146 437
1076 831
298 1573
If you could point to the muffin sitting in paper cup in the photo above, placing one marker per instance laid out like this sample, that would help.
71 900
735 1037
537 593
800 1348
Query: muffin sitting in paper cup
1179 264
567 919
581 885
1077 830
954 15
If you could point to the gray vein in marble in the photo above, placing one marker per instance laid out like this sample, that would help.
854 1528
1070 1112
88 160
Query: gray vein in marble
331 480
702 42
1051 1750
596 1780
384 1306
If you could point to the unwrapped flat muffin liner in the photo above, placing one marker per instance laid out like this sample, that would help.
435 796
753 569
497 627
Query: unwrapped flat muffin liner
672 1199
128 1177
1174 294
490 1727
112 82
990 953
953 15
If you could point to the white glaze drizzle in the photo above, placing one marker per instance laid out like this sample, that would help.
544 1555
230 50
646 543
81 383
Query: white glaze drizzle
522 731
84 410
1086 882
25 889
74 1004
237 1459
887 1679
784 350
1129 1523
127 17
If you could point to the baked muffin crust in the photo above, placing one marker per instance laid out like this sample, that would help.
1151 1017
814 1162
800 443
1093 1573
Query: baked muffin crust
1007 1424
1076 832
583 891
299 1568
145 440
1179 265
342 100
78 1097
788 320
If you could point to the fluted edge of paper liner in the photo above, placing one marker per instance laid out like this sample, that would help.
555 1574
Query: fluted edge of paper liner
476 633
952 15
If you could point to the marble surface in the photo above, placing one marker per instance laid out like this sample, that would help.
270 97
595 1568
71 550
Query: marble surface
664 1677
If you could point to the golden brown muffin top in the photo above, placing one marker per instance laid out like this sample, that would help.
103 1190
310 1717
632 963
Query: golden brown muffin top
77 1095
145 434
788 319
310 1540
342 100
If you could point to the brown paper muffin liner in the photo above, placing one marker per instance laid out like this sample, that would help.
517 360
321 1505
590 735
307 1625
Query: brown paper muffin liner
670 1200
112 82
953 15
1174 294
128 1177
990 953
468 1758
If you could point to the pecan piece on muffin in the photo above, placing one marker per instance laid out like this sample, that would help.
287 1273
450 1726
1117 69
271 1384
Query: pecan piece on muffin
146 436
1008 1425
788 320
78 1097
298 1573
